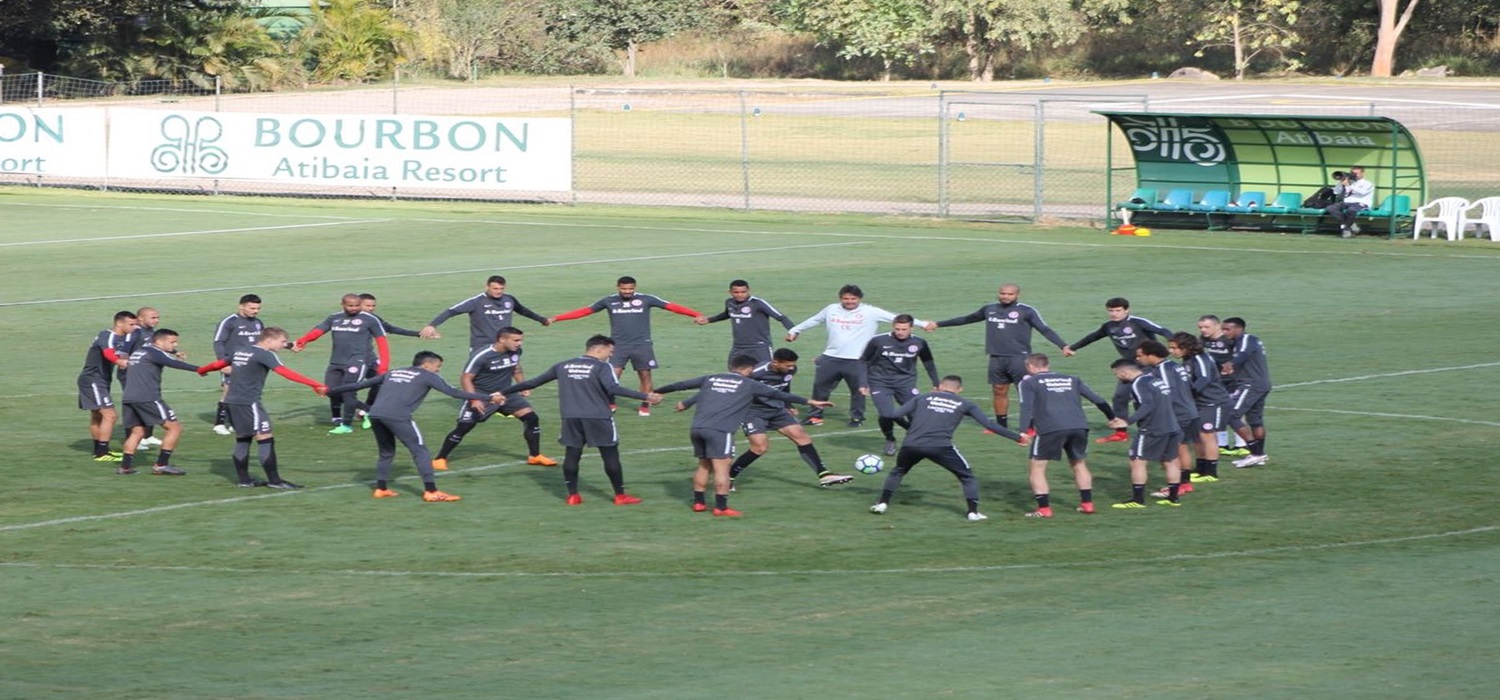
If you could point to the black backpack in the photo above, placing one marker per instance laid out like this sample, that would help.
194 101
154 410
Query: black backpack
1324 197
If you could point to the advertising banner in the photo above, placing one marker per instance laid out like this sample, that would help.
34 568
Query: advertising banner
400 151
57 142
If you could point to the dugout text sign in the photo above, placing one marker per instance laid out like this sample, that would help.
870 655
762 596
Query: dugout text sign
59 142
398 151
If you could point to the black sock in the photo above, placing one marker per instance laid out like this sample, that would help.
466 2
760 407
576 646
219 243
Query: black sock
336 410
127 460
429 486
1004 421
1257 447
531 430
721 502
1138 493
885 496
1085 495
571 457
888 428
241 457
101 448
1043 500
163 457
612 467
267 453
1212 465
453 438
698 497
973 504
741 462
1172 492
809 454
380 485
221 414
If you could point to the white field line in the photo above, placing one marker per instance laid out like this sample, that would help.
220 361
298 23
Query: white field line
210 232
330 487
1372 414
404 275
172 210
715 573
1404 373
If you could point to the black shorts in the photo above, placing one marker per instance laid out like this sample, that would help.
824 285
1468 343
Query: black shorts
1211 419
249 419
640 357
1155 448
768 422
588 432
513 403
1050 446
147 414
1007 369
93 396
1248 404
712 444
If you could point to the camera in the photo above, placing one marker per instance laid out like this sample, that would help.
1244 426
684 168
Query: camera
1340 175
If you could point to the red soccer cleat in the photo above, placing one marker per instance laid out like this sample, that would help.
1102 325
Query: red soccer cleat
575 499
1117 436
625 499
1086 508
726 513
700 507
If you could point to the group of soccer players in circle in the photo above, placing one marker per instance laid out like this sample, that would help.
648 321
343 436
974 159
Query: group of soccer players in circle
1190 397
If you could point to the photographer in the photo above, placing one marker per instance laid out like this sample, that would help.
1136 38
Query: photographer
1354 194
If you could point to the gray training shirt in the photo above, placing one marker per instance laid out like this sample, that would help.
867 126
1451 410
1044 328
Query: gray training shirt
1207 383
236 332
1127 334
1007 330
724 399
1249 362
1050 403
251 366
493 369
630 319
1181 383
1153 400
487 315
402 391
888 362
935 415
145 373
352 337
585 387
752 321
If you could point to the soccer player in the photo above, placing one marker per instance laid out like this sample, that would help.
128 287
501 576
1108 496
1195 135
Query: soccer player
488 312
237 331
723 402
1154 357
490 371
1219 348
1050 406
144 406
348 361
851 324
248 415
934 417
1156 436
630 327
391 420
368 303
1007 340
1127 332
586 389
1251 378
99 364
751 332
888 371
1211 398
147 320
767 414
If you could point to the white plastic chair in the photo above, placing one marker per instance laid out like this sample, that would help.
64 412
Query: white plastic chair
1489 217
1443 211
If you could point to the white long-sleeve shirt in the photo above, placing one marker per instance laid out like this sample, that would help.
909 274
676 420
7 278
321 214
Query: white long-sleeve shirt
849 330
1360 191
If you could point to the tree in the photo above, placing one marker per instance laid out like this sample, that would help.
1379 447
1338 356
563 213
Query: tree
477 28
989 29
1250 28
1388 34
354 40
893 31
620 25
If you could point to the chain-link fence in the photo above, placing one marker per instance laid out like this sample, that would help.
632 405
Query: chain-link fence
915 150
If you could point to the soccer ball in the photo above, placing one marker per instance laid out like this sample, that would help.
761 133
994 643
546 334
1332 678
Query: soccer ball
869 464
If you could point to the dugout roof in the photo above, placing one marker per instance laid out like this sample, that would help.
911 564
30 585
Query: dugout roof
1266 153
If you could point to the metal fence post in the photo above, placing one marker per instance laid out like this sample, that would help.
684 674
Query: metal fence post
744 150
395 91
40 78
942 144
1039 163
573 141
218 93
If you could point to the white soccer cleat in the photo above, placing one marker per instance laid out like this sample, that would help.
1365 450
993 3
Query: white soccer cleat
1251 461
976 517
222 429
878 509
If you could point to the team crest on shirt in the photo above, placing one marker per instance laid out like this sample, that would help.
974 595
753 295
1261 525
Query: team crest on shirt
356 322
507 306
1014 314
635 302
911 348
744 309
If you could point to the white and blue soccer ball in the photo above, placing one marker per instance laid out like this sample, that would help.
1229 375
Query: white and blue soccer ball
869 464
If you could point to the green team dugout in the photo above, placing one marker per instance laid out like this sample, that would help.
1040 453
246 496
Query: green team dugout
1274 154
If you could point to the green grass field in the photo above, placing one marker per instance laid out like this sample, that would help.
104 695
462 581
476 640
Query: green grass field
1361 563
